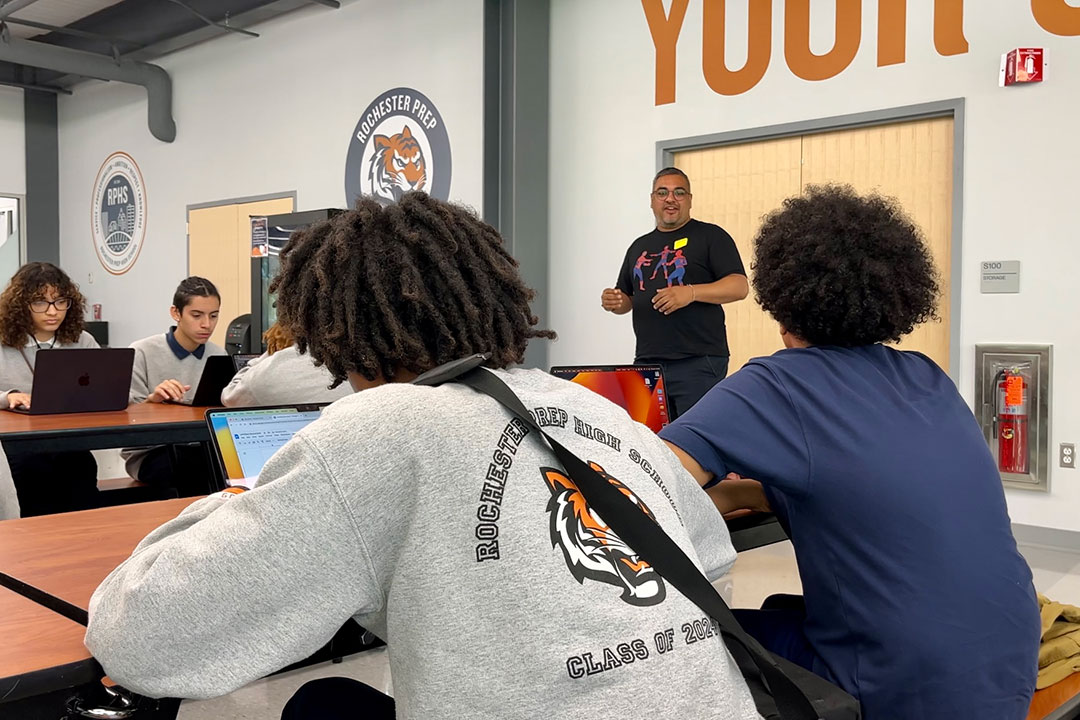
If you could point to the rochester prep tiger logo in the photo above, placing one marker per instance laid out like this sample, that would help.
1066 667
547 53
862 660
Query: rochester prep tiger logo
397 166
400 144
591 549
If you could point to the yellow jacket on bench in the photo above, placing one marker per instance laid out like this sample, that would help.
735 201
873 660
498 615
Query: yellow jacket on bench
1059 653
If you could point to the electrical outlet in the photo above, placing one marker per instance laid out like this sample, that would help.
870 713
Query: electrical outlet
1067 455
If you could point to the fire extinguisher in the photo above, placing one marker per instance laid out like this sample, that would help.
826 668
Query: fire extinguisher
1011 421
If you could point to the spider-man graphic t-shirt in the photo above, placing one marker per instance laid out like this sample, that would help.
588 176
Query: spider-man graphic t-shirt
696 254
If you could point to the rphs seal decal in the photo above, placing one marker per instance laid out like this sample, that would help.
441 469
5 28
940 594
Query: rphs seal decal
400 144
118 213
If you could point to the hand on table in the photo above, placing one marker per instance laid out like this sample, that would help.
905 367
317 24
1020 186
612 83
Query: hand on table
169 390
18 400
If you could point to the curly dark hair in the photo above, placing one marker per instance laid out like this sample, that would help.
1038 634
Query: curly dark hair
28 284
404 287
836 268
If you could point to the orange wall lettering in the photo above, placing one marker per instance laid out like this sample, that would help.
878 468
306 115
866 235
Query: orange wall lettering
801 60
759 48
949 27
665 31
891 32
1057 17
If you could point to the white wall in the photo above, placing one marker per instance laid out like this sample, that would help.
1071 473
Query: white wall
1022 154
259 116
12 142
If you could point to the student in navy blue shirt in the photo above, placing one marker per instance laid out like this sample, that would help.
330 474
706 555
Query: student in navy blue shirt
915 597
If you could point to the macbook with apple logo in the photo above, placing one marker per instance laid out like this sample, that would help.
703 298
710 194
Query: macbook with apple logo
74 380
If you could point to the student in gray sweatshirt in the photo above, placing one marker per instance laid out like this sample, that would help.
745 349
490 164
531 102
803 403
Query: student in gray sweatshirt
281 376
43 309
431 515
167 369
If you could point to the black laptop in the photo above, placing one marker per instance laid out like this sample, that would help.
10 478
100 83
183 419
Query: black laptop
217 372
73 380
241 360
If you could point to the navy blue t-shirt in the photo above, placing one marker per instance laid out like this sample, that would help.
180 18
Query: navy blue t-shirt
917 599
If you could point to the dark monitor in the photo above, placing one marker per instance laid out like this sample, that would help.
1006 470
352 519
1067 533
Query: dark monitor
99 330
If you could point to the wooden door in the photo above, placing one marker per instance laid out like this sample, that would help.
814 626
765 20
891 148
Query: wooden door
735 185
911 162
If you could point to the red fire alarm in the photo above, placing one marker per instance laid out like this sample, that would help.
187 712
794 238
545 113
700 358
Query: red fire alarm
1022 65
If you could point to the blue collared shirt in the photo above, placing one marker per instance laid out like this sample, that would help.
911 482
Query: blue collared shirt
179 350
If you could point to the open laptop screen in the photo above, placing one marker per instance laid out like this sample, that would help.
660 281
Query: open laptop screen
244 439
639 389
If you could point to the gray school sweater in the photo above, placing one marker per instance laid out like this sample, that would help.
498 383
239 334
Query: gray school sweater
444 526
284 378
15 374
155 362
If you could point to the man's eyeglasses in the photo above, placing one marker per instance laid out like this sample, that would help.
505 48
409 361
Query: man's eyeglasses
679 193
40 306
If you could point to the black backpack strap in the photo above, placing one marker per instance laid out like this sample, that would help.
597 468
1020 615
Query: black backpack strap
653 544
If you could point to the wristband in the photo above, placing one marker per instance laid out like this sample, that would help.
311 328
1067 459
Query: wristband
693 294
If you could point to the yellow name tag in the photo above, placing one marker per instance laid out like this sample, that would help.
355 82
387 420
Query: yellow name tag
681 243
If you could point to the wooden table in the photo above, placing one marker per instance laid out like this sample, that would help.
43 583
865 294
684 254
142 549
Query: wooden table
41 650
69 554
142 424
64 557
60 560
1057 702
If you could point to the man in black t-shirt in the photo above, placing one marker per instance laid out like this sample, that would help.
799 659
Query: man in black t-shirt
675 279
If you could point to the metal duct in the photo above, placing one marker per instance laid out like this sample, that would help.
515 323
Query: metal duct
157 82
13 6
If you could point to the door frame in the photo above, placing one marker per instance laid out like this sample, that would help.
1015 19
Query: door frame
20 206
220 203
954 108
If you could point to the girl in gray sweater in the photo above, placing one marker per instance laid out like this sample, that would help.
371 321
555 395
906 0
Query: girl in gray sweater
281 376
43 309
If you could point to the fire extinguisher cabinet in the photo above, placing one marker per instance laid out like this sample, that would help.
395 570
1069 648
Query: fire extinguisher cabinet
1012 403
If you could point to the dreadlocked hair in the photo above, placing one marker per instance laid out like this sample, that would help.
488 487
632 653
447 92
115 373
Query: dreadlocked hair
408 286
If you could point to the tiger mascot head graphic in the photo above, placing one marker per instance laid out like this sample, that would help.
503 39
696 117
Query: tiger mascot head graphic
397 166
591 548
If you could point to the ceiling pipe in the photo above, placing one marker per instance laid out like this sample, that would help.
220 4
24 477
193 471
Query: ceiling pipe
157 82
13 6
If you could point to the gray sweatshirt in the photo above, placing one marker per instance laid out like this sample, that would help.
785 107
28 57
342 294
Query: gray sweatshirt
444 526
284 378
15 374
156 362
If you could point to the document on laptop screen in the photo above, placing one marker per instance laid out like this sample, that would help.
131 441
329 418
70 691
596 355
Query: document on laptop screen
246 439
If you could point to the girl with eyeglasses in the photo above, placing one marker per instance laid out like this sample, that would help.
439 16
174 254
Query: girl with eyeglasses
42 309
